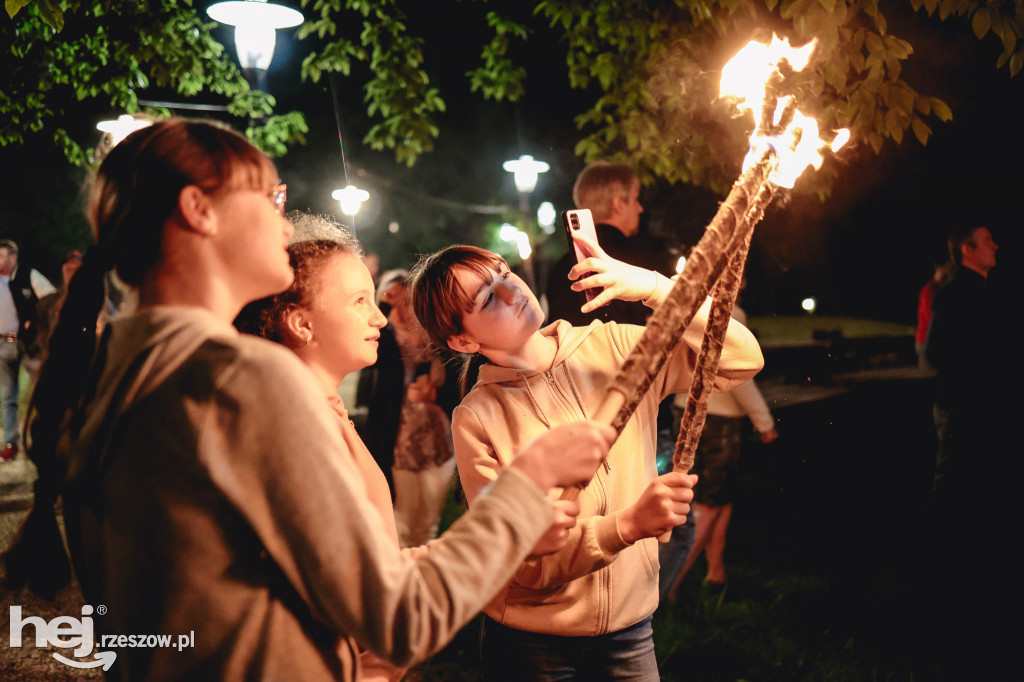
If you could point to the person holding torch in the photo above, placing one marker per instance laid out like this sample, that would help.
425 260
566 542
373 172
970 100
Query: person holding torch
582 601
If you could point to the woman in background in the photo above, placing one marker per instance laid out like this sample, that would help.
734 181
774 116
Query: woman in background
412 400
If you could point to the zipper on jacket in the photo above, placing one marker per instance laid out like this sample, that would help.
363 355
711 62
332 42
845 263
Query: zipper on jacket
553 385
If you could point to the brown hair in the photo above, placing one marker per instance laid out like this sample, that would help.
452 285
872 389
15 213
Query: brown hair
136 187
266 317
438 299
599 183
958 237
133 194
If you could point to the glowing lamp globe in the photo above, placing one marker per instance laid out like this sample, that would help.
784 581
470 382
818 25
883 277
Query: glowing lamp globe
351 199
124 126
525 171
256 23
546 215
507 232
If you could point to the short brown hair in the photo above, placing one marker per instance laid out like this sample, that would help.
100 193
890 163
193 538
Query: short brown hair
599 183
958 237
438 300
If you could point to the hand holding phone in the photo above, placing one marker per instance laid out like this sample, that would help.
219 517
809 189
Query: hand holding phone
580 221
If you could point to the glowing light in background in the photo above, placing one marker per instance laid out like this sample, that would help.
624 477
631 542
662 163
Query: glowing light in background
124 126
510 233
525 171
256 23
546 215
351 199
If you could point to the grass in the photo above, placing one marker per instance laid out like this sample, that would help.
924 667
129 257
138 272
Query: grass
769 623
778 330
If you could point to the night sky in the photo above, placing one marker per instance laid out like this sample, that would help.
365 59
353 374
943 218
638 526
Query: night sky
866 252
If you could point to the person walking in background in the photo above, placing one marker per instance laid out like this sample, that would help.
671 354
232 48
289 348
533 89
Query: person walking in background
410 396
424 456
716 463
20 291
207 487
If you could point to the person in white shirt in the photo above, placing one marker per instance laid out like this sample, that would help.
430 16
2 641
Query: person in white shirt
20 291
718 454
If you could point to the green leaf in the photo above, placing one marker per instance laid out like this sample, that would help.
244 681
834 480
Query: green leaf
13 6
981 22
921 130
941 109
1015 63
52 14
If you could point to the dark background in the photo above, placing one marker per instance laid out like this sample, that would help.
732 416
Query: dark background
864 252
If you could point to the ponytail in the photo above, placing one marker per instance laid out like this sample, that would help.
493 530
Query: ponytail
63 376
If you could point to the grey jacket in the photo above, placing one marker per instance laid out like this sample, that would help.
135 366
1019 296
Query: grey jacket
209 493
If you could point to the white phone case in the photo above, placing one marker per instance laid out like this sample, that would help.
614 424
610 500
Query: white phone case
580 221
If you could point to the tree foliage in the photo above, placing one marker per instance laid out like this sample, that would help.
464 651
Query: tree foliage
59 56
652 66
656 66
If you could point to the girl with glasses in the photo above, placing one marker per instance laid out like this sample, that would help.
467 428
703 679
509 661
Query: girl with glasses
207 487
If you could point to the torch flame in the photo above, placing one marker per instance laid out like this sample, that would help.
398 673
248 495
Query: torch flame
745 78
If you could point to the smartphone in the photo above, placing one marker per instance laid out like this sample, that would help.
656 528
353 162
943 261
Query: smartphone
580 221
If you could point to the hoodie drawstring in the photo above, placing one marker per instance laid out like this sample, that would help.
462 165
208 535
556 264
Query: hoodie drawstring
536 403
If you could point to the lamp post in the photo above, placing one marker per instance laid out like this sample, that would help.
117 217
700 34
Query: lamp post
256 23
525 172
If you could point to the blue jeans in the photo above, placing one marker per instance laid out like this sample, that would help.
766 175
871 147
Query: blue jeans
511 655
672 554
10 364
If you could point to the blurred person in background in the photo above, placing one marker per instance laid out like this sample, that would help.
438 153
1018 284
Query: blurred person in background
20 291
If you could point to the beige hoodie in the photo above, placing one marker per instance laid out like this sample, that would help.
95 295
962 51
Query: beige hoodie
210 493
597 583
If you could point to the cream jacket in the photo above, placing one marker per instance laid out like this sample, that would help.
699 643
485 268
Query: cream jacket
597 583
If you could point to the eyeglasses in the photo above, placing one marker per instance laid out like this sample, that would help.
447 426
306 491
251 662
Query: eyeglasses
278 196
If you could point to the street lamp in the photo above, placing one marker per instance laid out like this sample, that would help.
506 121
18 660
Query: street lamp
546 215
525 171
125 125
510 233
351 199
256 23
